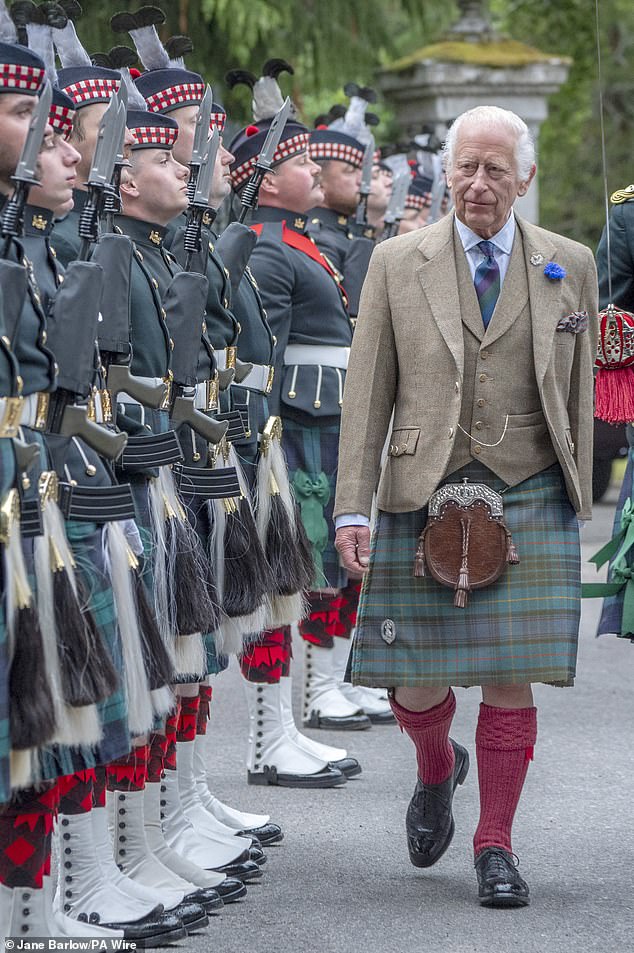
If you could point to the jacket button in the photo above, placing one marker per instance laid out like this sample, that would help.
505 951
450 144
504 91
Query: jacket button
480 402
484 355
483 378
478 425
477 450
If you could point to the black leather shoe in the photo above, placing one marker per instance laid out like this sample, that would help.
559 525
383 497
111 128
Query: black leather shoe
266 835
231 890
349 767
257 855
381 717
245 871
429 821
357 722
499 884
193 915
207 897
328 777
151 931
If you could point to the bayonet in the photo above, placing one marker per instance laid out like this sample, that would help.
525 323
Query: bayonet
365 188
112 200
201 140
249 197
199 204
396 205
26 172
100 176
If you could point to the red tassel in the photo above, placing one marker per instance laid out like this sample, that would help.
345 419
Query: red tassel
614 395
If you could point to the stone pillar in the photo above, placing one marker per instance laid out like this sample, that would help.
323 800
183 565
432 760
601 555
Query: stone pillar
471 67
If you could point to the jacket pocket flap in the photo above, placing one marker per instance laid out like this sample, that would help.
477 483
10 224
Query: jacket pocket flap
403 440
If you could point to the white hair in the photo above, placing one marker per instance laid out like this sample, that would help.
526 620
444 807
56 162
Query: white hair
494 116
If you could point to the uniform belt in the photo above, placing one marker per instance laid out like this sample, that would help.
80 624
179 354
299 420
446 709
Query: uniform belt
31 518
35 411
205 395
260 378
325 355
207 484
225 357
124 398
100 504
155 450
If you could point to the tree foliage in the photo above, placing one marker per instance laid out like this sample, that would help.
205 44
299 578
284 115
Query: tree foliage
332 41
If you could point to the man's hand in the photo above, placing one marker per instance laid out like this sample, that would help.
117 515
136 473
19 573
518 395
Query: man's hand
353 545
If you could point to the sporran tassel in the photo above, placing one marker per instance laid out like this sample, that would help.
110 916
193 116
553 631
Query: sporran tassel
31 716
420 566
462 586
137 689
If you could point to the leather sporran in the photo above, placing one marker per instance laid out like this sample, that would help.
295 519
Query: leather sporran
465 544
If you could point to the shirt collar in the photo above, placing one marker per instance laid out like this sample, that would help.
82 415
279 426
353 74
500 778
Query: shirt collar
503 240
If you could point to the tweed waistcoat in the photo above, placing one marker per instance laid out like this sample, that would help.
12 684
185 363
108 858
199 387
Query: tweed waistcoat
488 395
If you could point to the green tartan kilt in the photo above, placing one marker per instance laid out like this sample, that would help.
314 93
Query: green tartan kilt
85 540
523 628
314 448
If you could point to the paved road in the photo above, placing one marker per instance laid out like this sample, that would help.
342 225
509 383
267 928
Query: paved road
341 881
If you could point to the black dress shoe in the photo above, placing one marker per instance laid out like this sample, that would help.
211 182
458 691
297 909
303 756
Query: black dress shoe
356 722
245 871
429 821
266 835
151 931
207 897
231 890
328 777
193 915
381 717
350 767
257 855
499 884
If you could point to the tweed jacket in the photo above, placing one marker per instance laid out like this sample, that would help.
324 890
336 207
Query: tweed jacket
408 360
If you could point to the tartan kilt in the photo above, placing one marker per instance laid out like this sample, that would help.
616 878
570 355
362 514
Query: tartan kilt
7 481
523 628
611 620
315 450
86 543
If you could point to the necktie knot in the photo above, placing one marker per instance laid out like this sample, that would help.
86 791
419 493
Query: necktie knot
487 248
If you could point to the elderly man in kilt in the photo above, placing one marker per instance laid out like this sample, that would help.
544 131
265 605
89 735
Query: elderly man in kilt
479 335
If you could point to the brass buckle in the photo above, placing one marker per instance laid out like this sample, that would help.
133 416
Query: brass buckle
11 417
269 380
231 354
106 405
167 400
41 411
48 487
9 513
211 393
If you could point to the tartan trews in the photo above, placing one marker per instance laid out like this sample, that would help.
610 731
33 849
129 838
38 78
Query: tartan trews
524 628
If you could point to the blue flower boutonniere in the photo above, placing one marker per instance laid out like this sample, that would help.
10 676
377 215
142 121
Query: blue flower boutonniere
554 271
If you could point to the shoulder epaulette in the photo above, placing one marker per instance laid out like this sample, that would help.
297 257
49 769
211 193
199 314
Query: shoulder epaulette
622 195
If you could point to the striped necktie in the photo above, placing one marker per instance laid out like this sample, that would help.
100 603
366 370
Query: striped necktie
487 281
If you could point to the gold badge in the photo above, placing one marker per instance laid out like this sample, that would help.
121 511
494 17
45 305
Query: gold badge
300 222
155 237
38 221
207 219
342 220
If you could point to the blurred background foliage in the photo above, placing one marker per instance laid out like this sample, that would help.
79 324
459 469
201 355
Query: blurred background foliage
330 42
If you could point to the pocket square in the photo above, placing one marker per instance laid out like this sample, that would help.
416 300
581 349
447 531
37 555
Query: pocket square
575 323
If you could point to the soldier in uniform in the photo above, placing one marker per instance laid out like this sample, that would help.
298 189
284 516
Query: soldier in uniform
178 92
307 391
340 158
621 275
417 205
379 196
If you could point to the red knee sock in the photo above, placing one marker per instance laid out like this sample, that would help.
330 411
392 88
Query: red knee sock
505 738
429 730
26 827
157 749
188 718
128 773
99 787
75 792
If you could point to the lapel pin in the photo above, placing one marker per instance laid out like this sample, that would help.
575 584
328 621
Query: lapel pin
537 259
